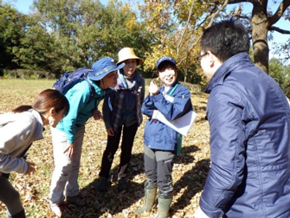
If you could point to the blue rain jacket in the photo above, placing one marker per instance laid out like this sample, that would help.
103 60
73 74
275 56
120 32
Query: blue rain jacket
249 121
156 134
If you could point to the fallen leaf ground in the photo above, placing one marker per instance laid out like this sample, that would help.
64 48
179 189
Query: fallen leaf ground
189 173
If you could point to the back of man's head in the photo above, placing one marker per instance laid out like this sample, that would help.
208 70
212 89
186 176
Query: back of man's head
225 39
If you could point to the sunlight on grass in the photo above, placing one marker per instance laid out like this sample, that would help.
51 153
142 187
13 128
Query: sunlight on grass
15 92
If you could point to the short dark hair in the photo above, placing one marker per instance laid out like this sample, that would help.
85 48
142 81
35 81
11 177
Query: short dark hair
166 65
225 39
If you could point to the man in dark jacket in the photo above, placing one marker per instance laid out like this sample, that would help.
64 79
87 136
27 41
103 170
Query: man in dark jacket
249 121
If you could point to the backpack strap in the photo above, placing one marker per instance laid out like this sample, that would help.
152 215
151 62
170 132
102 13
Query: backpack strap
92 89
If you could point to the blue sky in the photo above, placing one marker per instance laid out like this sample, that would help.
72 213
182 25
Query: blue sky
23 7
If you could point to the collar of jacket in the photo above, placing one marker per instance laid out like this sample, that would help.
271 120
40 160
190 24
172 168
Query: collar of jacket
122 83
172 86
225 69
98 91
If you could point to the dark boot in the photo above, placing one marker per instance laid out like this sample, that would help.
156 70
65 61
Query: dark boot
164 201
21 214
122 184
103 184
150 188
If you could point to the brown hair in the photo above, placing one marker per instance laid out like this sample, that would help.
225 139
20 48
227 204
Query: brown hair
45 100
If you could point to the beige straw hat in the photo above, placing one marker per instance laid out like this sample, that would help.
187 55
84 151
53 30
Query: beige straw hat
128 53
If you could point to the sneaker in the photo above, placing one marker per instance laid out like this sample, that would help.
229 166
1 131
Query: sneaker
103 184
57 209
122 184
76 200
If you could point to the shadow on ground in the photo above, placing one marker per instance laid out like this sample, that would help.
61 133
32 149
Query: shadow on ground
114 202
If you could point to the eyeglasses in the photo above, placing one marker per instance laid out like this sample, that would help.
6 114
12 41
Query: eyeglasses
201 56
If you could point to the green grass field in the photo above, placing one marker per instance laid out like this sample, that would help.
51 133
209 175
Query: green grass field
189 174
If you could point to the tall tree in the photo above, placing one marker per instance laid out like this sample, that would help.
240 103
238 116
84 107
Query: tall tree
190 17
177 27
276 71
262 21
12 28
71 25
281 74
86 30
36 48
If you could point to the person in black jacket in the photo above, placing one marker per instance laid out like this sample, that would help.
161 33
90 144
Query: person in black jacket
122 116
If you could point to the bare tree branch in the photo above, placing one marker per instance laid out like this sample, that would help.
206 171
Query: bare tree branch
186 27
273 28
278 14
211 17
215 14
239 1
243 17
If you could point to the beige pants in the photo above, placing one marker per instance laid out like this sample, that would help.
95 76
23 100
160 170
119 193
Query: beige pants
66 169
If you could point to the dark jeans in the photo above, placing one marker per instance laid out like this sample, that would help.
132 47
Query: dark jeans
126 150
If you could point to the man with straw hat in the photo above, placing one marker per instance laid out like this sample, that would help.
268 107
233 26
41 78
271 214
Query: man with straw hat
122 116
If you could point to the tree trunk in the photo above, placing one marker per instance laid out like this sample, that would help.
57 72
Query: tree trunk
185 76
259 35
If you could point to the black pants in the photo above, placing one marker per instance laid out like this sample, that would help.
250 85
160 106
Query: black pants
126 150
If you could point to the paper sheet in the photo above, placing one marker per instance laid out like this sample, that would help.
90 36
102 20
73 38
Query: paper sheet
182 125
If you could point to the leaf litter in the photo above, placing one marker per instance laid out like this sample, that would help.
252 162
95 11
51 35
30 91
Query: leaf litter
189 171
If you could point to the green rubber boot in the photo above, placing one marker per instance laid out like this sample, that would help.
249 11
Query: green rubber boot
163 207
150 194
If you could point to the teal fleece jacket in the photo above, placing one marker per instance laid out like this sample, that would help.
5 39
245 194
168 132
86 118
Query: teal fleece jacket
81 108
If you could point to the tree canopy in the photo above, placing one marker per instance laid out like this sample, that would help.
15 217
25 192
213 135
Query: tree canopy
67 34
187 19
61 35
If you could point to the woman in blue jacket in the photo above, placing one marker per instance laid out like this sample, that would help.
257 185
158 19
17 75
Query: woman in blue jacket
68 135
173 101
249 120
